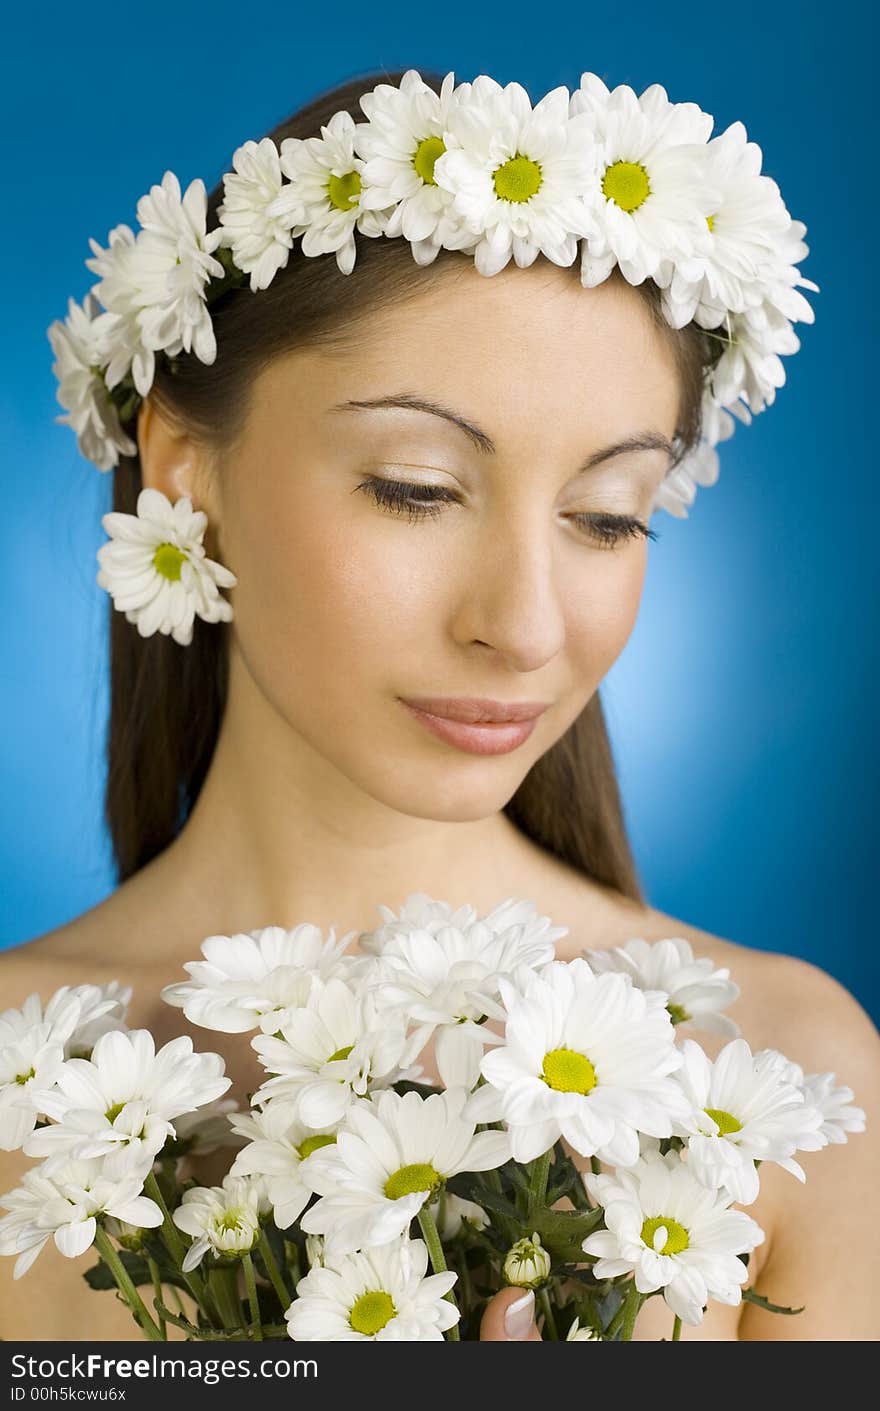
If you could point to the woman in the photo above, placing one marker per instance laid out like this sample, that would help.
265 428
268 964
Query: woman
430 485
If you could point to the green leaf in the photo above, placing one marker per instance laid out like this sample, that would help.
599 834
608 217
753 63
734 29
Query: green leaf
100 1277
490 1200
750 1296
406 1085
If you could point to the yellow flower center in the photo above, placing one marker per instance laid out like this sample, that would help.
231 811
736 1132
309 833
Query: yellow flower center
167 560
343 191
23 1078
410 1179
230 1220
726 1121
568 1071
371 1312
314 1144
340 1053
626 183
426 154
710 221
517 179
677 1013
676 1234
113 1112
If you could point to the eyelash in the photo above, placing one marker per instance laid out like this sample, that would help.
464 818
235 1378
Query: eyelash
420 501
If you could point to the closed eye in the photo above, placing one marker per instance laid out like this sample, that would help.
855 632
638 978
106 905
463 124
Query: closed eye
426 501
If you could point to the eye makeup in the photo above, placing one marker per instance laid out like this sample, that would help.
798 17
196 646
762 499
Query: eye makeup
422 501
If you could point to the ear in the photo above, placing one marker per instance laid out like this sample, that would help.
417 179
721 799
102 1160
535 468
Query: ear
173 461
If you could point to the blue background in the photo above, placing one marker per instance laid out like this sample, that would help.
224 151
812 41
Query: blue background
744 708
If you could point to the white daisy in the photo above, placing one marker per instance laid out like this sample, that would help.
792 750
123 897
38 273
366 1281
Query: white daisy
61 1199
120 1103
821 1091
35 1042
452 1213
380 1295
527 1263
60 1017
224 1219
746 233
332 1051
743 1110
153 284
751 366
834 1103
260 243
155 569
206 1130
576 1333
518 176
776 288
424 913
121 289
314 1251
585 1057
445 976
399 145
664 1227
391 1155
103 1009
80 350
700 466
30 1063
249 981
652 197
695 991
277 1146
322 198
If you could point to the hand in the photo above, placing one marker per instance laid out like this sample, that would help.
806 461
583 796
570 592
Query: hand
510 1317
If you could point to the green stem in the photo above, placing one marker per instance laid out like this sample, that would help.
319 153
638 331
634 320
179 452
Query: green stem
540 1169
493 1181
157 1291
630 1313
549 1320
126 1287
250 1284
274 1272
224 1287
177 1249
438 1263
676 1330
194 1334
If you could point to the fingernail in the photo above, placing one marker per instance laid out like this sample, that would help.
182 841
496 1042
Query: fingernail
519 1317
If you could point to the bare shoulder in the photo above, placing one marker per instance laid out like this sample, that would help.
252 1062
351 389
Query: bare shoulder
69 954
114 940
788 1003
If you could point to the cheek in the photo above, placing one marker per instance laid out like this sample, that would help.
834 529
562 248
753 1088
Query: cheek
321 585
602 611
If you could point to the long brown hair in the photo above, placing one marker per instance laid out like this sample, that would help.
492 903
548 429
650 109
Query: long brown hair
167 701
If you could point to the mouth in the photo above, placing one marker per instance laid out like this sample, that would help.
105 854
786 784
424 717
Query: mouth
477 726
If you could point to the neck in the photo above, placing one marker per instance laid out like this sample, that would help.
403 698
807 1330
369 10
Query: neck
279 836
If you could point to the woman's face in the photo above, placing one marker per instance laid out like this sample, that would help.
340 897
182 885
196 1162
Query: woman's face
504 586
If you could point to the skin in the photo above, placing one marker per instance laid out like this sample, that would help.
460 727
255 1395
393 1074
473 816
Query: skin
325 797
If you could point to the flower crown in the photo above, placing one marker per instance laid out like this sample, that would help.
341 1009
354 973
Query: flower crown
633 181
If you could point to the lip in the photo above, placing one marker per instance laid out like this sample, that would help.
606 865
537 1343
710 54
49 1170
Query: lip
476 710
477 726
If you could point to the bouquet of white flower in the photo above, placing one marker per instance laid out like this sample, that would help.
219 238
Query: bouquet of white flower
350 1152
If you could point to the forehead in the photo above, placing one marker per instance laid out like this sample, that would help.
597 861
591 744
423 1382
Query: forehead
529 354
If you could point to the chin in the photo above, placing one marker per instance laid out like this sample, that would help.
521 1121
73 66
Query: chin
450 795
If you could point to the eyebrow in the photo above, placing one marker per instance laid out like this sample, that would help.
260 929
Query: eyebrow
641 441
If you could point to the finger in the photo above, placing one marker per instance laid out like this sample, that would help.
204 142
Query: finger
510 1317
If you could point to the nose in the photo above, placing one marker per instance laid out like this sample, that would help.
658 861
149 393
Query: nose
510 599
